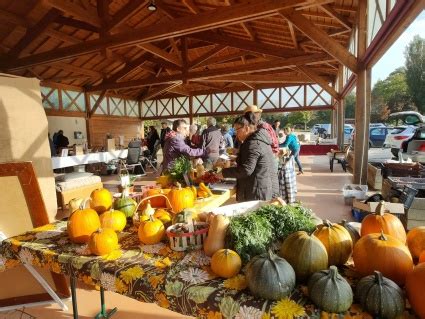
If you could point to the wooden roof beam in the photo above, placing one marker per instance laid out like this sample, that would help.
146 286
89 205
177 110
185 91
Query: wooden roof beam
160 53
221 59
160 90
96 105
217 49
248 68
34 32
180 26
293 35
78 24
337 16
79 13
322 39
248 29
125 13
76 69
191 6
324 83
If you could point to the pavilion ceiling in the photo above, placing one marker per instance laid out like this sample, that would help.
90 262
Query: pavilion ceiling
184 47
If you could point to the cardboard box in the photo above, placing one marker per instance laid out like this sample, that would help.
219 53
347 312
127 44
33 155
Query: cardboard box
110 144
393 208
78 150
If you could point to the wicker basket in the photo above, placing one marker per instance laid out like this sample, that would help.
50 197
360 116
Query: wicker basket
137 213
194 239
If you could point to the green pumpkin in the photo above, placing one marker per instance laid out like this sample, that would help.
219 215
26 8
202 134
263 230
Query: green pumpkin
355 236
126 205
305 253
270 276
330 291
380 296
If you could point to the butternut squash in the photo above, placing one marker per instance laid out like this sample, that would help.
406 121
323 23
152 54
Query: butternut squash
216 234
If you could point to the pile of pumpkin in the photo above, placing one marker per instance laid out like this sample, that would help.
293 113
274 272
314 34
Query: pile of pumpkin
379 253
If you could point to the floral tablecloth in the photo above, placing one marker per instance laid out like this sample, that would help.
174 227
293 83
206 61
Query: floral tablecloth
182 282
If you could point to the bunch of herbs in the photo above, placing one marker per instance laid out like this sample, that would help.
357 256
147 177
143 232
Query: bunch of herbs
181 167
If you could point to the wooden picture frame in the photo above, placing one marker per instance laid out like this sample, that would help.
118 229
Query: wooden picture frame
25 173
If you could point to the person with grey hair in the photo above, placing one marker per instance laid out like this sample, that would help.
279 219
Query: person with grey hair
211 140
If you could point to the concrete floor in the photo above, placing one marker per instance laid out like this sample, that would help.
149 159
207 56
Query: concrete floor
318 189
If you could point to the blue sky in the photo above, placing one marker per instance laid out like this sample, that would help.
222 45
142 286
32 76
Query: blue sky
394 57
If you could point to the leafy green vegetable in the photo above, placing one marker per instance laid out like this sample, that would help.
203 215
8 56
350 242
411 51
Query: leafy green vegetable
253 233
181 167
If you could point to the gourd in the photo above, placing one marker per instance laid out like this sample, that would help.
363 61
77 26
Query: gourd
226 263
126 205
337 241
381 221
416 240
151 231
113 219
82 223
380 296
74 204
181 198
384 253
163 216
330 291
270 276
355 236
305 253
216 234
103 241
101 200
415 283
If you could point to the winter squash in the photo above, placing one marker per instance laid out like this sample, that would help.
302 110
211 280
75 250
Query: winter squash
355 236
101 200
384 253
181 198
305 253
226 263
415 283
416 240
216 234
113 219
151 231
422 257
380 220
164 181
337 241
82 223
74 204
330 291
270 276
126 205
380 296
163 216
158 201
103 241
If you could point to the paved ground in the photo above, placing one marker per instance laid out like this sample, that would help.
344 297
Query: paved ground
379 154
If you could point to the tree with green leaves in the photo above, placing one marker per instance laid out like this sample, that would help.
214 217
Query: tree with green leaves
300 117
350 105
415 71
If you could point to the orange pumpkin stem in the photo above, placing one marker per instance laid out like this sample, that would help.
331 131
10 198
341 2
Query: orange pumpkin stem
327 223
378 277
84 203
333 271
380 209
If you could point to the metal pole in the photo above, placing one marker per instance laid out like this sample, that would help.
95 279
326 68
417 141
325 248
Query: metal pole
74 298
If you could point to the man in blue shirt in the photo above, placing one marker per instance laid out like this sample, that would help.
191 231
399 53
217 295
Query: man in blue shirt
292 143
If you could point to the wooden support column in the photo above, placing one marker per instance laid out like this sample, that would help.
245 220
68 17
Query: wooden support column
334 122
190 109
88 131
362 102
255 97
341 113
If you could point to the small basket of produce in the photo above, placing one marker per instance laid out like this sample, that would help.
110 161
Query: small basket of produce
183 236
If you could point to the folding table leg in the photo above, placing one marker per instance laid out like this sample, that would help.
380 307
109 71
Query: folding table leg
103 313
74 298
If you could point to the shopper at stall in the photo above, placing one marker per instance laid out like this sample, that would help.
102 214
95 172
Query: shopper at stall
61 140
264 125
256 172
164 130
227 138
292 143
195 138
276 127
211 140
152 140
175 145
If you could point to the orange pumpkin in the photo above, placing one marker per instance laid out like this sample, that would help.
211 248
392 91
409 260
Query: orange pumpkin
416 240
159 201
181 198
381 221
226 263
114 219
101 200
415 283
163 216
422 257
337 241
151 231
384 253
103 241
81 224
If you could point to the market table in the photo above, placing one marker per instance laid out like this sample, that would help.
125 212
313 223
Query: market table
182 282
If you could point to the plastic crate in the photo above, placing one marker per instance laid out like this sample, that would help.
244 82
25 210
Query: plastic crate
358 214
355 190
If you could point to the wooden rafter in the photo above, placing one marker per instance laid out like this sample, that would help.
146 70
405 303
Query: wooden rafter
76 69
96 105
293 35
78 24
125 13
337 16
160 53
159 91
184 59
322 39
191 6
221 59
34 32
248 68
268 78
248 29
84 14
181 26
217 49
324 83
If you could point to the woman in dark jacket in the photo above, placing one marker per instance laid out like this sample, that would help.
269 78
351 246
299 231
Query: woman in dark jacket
256 172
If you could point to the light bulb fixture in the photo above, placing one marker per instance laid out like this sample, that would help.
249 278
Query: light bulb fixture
152 6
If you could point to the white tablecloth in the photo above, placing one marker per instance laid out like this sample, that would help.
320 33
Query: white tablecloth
104 157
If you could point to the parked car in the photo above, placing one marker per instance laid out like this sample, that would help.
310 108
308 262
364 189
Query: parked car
377 136
416 143
401 133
